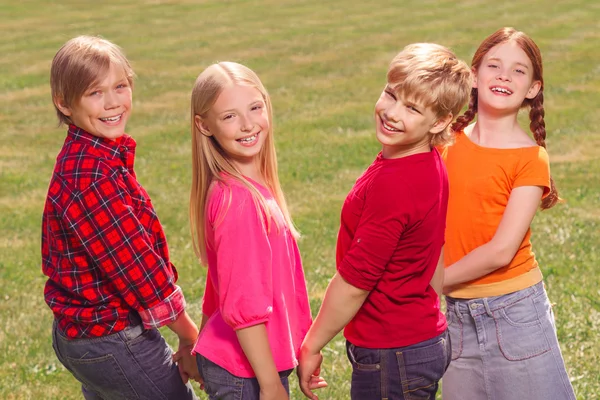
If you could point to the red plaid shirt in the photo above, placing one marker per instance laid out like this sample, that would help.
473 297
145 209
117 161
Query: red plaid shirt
103 248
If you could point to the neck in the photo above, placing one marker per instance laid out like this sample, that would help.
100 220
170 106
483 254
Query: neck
391 152
250 170
494 127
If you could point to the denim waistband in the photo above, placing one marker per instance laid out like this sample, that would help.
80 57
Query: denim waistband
487 305
127 334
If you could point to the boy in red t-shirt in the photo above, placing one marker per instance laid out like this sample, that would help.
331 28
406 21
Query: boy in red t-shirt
391 236
110 281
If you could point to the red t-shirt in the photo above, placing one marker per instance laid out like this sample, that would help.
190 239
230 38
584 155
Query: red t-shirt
390 239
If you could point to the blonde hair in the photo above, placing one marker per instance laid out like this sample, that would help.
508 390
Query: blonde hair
79 64
432 75
209 160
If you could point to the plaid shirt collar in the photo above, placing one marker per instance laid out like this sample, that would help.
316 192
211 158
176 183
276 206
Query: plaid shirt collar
123 147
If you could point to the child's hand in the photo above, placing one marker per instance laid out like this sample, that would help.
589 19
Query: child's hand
276 392
186 363
309 368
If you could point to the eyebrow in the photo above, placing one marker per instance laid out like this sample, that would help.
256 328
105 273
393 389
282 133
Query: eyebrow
518 63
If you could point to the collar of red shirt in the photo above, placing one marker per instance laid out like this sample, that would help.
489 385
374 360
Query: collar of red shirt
123 147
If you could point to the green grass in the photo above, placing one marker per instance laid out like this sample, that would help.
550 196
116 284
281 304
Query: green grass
324 64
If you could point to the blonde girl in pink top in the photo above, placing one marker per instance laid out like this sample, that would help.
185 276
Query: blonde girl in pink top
255 308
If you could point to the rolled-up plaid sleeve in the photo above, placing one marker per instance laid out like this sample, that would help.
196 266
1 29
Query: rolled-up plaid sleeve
119 241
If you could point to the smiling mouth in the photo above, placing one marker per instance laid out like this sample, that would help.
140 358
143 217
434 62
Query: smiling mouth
388 127
112 119
248 139
501 90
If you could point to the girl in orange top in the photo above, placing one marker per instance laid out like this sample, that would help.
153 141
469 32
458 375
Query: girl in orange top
504 343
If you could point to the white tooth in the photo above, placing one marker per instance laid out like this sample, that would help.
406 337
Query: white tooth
389 127
248 139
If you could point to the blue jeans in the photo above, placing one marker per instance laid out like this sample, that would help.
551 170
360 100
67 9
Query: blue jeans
134 363
403 373
505 348
220 384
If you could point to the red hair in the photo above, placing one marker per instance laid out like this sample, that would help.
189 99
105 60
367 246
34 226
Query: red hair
535 105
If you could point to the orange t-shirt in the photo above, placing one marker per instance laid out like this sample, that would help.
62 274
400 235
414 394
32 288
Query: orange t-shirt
481 180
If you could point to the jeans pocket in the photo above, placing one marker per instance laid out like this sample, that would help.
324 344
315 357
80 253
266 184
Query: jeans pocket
421 369
455 330
103 375
218 382
519 331
366 372
363 358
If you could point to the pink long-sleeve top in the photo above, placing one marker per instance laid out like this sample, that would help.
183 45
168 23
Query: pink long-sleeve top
254 276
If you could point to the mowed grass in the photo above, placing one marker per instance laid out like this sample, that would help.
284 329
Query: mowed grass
324 64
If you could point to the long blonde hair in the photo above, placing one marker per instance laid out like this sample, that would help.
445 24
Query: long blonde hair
210 161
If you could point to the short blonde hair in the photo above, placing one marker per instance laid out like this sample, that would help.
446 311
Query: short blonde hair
432 75
81 63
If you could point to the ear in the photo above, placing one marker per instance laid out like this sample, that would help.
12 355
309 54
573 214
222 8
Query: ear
62 106
474 71
534 90
441 124
202 126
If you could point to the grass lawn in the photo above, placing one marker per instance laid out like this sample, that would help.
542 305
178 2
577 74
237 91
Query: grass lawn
324 63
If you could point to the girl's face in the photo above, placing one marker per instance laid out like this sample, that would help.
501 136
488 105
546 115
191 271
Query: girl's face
239 121
505 78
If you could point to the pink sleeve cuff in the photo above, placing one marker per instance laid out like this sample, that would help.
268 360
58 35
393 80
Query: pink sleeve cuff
251 323
164 312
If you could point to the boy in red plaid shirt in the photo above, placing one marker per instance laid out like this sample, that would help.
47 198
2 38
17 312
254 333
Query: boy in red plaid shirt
110 281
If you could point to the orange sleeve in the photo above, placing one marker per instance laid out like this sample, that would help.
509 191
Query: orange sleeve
534 170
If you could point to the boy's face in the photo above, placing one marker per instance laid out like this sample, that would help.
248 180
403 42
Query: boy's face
403 127
104 108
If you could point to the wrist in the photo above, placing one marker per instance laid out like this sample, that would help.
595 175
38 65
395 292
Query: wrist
269 384
309 348
187 341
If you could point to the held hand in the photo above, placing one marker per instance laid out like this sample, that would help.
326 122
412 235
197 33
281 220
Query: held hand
187 366
308 371
275 392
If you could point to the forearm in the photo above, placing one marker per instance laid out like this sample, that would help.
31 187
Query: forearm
255 344
480 262
340 304
184 328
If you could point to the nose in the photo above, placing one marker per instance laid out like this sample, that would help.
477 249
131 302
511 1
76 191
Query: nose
110 100
503 75
247 123
393 113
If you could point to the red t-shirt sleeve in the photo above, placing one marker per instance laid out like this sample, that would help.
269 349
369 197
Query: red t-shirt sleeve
382 222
